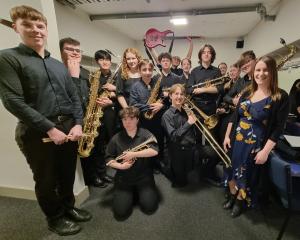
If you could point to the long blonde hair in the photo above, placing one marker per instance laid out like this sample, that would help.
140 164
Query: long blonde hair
125 69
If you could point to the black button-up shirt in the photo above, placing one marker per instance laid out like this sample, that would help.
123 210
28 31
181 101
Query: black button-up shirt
34 89
178 129
177 71
83 85
185 79
237 87
140 93
103 80
201 74
169 80
121 142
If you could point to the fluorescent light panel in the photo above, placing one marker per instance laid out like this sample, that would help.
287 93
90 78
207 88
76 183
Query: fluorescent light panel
179 21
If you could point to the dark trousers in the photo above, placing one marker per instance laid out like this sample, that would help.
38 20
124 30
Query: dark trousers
208 160
182 162
154 126
53 168
94 165
124 197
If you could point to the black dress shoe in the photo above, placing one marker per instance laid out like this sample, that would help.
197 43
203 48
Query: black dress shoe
213 181
228 204
97 182
237 208
78 215
107 179
227 193
63 226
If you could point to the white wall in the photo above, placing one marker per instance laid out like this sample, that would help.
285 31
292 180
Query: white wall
92 35
288 77
14 171
225 49
265 37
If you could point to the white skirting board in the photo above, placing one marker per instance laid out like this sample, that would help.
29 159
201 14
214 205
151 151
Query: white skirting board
29 194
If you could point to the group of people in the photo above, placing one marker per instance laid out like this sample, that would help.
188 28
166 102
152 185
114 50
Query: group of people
50 99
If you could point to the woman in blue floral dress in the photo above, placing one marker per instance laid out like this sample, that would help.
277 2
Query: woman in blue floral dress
257 123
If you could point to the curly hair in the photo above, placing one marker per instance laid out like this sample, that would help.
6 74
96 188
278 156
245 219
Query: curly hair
124 68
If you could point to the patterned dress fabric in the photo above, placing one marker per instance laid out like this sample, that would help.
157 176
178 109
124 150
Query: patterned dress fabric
249 135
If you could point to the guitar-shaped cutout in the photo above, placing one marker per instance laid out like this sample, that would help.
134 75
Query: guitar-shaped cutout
153 37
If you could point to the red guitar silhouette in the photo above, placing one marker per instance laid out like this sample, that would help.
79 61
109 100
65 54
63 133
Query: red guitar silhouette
153 37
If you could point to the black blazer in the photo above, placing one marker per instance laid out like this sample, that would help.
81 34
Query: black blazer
276 120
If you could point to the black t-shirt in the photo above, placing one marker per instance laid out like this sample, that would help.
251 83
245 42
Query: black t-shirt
122 142
124 86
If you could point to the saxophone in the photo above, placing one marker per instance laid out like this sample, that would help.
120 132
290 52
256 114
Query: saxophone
292 51
93 114
153 98
92 117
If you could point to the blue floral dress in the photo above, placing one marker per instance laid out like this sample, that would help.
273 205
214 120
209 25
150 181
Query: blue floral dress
248 141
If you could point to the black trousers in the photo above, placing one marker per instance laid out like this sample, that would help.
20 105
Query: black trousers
154 126
182 162
94 165
208 160
124 194
53 167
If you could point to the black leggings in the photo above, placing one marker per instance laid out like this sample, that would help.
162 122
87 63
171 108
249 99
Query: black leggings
124 197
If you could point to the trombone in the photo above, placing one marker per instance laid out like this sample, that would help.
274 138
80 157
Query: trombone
189 108
210 121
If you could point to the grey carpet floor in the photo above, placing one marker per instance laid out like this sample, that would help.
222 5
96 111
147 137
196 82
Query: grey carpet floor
193 213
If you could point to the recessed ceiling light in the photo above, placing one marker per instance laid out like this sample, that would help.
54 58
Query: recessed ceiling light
179 21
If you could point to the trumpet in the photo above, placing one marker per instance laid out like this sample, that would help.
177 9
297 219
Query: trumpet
210 121
213 82
189 108
144 145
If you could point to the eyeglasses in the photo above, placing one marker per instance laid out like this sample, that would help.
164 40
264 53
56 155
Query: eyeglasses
73 50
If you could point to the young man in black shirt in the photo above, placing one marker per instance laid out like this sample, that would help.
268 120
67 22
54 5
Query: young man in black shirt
205 98
39 91
94 165
134 169
140 93
181 136
246 64
71 55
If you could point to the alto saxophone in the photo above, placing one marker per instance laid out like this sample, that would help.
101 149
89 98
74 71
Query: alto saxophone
153 98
